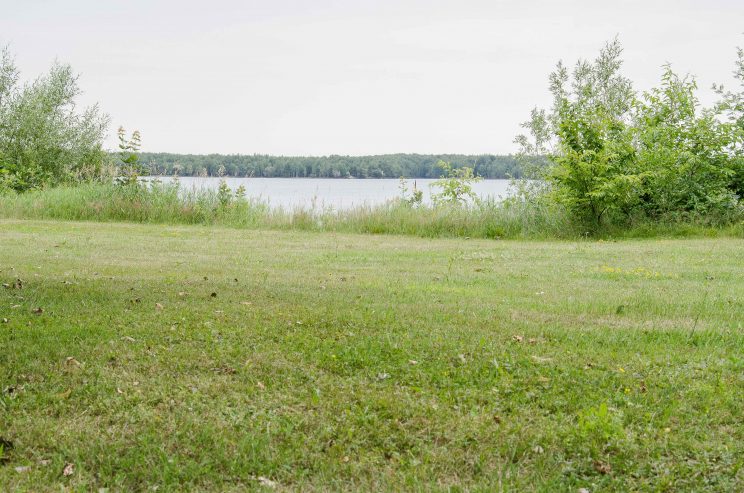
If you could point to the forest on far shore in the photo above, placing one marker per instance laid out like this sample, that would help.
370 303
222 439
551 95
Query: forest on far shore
334 166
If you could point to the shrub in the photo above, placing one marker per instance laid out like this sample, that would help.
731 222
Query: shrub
129 167
414 197
455 186
683 161
44 139
615 158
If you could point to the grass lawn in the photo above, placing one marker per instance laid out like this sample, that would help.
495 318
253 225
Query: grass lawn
193 358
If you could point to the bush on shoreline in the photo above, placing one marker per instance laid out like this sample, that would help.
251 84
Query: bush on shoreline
615 156
46 139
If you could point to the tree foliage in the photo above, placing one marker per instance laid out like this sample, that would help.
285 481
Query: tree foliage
730 109
615 155
334 166
44 138
682 154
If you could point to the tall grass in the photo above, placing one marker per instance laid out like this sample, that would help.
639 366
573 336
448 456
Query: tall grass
169 204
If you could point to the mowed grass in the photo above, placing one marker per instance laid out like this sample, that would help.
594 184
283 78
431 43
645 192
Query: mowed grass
191 358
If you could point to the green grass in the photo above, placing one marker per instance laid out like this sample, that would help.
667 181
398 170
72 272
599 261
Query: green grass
166 204
512 219
357 362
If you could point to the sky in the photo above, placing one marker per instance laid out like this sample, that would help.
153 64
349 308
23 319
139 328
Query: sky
351 77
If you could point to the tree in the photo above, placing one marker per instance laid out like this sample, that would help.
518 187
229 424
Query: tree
383 166
587 137
44 139
731 109
682 159
614 156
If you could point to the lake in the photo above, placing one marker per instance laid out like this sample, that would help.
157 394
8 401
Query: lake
330 192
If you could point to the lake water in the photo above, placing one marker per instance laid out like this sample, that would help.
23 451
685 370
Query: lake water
329 192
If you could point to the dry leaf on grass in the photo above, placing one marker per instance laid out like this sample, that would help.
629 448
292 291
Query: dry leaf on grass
263 481
542 360
602 467
69 469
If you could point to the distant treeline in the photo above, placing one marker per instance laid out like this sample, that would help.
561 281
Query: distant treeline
383 166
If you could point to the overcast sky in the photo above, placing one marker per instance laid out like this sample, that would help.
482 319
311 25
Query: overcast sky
351 77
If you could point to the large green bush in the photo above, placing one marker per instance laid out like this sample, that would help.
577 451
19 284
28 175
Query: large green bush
615 156
44 138
730 110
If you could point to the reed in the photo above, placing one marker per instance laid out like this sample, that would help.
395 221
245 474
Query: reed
161 203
